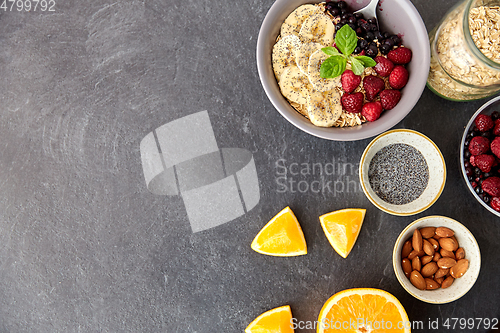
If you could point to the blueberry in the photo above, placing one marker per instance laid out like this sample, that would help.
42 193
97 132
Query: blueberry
372 20
338 26
330 5
488 175
363 44
468 171
358 16
335 11
358 50
467 164
396 40
343 21
467 142
495 115
479 190
389 42
353 27
470 178
345 16
467 154
344 11
386 35
352 20
369 36
385 49
477 171
486 198
342 4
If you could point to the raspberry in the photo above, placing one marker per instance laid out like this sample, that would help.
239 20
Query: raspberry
485 162
350 81
372 85
491 186
400 56
389 98
479 145
495 146
353 102
484 123
372 110
384 66
399 77
472 161
496 129
495 203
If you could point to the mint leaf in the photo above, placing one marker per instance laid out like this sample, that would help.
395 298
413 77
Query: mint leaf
366 61
332 67
330 50
357 66
346 40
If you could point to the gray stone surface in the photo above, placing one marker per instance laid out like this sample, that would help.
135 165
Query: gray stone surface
85 247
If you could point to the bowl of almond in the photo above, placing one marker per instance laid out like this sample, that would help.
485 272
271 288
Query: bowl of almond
436 259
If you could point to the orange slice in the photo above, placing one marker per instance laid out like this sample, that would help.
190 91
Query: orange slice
363 310
282 236
278 320
342 228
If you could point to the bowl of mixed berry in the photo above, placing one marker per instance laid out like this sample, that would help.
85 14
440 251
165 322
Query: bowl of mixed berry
339 75
480 155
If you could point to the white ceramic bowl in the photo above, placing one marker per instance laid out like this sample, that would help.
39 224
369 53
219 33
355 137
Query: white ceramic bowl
461 285
395 16
487 108
435 163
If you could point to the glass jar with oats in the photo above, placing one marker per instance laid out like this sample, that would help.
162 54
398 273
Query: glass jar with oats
465 52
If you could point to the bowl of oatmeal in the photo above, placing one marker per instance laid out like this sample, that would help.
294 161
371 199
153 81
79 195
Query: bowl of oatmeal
323 107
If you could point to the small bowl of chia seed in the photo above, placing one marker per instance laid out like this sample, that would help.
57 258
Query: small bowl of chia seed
402 172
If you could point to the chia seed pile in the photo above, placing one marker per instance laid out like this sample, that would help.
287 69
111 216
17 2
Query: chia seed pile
398 173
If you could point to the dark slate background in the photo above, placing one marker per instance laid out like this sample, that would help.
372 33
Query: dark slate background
84 247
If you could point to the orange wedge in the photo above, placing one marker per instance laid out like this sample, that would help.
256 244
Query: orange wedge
282 236
277 320
363 310
342 228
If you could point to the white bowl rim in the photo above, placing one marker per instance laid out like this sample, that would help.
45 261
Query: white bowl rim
396 265
373 201
322 132
462 144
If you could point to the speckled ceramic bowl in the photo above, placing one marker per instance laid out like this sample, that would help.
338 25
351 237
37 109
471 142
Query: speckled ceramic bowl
487 108
461 285
396 16
435 163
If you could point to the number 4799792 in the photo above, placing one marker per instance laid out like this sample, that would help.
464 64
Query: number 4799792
28 5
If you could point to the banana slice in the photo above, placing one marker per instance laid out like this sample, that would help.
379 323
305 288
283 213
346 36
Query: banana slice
324 108
294 21
284 54
318 28
313 71
295 85
303 53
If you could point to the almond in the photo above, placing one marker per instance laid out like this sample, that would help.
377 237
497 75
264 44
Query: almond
446 253
437 256
417 280
425 260
406 264
430 284
439 280
446 262
436 237
447 282
444 232
407 248
428 247
416 264
448 244
417 241
441 273
434 242
428 232
429 269
460 254
414 254
460 268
